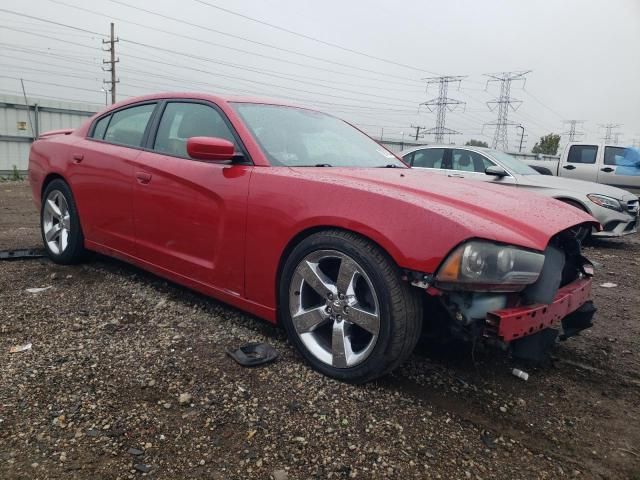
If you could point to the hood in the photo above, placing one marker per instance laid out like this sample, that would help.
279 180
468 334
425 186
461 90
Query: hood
478 209
572 185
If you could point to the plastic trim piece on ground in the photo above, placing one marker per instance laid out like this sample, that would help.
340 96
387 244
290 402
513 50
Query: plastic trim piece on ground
21 254
253 354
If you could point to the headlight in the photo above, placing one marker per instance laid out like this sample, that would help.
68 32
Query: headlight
606 202
485 266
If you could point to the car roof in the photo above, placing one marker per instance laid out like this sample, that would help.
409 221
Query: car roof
487 150
204 96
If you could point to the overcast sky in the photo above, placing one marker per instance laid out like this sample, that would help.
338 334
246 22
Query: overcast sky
584 57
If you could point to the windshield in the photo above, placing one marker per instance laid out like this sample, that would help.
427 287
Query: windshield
296 137
512 163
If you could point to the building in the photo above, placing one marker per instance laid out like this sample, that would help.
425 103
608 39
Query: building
19 125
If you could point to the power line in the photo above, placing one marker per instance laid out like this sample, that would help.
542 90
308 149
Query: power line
544 105
248 52
294 77
38 95
239 37
49 83
47 37
441 104
50 21
504 102
217 74
309 37
184 54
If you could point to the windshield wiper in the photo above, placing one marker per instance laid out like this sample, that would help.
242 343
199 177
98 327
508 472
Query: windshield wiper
323 165
390 165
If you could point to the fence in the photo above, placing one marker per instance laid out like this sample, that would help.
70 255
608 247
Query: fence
19 125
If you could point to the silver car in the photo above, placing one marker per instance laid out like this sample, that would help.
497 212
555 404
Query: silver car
614 208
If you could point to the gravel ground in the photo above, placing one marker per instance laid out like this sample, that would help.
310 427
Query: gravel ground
128 374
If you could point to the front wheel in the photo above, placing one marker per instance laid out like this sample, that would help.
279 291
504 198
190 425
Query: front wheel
345 307
60 224
582 233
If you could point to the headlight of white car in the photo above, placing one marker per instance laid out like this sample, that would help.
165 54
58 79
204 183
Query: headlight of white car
606 202
485 266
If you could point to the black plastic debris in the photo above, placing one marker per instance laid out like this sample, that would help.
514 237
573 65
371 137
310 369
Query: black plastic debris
21 254
253 354
578 320
535 348
142 467
488 441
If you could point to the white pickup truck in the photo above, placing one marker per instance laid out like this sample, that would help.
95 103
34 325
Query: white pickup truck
602 163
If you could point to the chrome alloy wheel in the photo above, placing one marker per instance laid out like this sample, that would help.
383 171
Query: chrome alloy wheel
56 222
334 308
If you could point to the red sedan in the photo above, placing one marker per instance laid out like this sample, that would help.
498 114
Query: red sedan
298 217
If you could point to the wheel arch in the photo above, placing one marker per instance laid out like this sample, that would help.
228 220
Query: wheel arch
50 178
575 202
307 232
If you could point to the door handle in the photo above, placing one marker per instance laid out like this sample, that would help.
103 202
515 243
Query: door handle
455 175
606 169
569 167
77 157
143 177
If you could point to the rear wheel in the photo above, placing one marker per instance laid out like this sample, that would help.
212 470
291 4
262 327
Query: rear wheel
345 307
60 225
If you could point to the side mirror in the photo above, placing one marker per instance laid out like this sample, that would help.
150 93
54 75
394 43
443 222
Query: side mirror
496 171
212 149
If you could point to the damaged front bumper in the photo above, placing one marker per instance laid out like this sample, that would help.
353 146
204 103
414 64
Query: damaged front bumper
510 324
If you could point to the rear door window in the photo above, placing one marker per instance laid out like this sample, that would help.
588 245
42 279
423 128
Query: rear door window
615 156
127 126
429 158
582 154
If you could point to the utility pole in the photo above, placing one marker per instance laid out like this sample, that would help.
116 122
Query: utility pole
418 128
573 132
440 105
503 103
112 62
521 136
608 131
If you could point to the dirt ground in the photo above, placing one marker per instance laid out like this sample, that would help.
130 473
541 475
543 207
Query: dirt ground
114 348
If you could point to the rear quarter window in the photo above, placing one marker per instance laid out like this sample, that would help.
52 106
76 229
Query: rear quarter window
100 127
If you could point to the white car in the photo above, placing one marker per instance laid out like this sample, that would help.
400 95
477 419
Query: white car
614 208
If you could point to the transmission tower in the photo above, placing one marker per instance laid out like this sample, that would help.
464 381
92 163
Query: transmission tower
503 102
573 132
440 105
609 131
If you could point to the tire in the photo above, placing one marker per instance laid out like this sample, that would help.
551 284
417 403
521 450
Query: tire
60 225
582 233
371 287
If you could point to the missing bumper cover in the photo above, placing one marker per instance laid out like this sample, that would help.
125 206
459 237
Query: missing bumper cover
577 321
